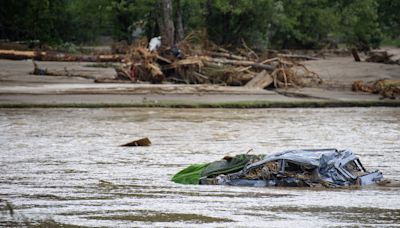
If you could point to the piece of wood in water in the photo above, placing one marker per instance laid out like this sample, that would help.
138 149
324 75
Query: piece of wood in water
140 142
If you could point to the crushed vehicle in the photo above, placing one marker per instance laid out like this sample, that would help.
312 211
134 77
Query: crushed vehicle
328 168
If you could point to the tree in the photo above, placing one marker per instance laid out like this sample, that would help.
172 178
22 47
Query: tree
303 23
389 18
179 31
166 22
228 21
261 23
43 20
359 23
88 20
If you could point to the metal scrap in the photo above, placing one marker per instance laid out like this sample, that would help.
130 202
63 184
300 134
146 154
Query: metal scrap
302 168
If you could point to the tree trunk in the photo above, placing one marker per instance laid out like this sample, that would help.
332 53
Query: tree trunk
356 57
180 32
166 23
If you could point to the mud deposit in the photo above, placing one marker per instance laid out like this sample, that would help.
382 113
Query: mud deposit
64 166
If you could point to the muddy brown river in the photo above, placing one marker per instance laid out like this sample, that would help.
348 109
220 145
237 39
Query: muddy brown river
64 166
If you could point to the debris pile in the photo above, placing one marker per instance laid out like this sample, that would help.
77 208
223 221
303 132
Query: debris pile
386 57
387 88
199 61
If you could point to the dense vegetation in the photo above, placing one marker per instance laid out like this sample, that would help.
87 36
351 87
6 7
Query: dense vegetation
261 23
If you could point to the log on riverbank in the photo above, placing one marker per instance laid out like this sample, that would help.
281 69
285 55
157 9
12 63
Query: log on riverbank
56 56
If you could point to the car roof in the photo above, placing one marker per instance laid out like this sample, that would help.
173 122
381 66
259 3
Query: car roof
311 157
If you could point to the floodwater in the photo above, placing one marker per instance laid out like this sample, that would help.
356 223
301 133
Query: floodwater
64 166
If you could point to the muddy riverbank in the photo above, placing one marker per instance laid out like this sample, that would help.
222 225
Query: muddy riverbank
20 89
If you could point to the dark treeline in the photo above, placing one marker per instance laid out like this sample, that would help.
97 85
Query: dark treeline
261 23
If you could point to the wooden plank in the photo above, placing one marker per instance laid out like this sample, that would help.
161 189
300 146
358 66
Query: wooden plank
260 81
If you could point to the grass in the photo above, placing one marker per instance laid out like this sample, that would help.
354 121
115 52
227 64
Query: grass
237 105
391 42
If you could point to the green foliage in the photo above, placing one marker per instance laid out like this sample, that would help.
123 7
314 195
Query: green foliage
25 19
261 23
303 23
228 21
359 24
194 14
389 18
127 15
88 19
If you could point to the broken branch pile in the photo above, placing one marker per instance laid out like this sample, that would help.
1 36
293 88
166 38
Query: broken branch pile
387 88
383 57
207 63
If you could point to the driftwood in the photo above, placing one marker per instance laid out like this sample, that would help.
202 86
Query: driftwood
45 72
225 55
297 57
17 55
55 56
383 57
387 88
260 81
140 142
209 64
250 53
240 63
123 74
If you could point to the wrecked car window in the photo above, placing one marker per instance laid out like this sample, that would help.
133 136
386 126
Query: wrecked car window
353 168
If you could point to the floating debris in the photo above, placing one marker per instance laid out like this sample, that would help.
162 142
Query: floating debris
141 142
329 168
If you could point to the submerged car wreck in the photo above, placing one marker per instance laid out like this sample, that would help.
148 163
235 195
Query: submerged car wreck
328 168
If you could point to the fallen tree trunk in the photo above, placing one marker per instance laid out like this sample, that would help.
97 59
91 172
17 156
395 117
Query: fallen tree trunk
297 57
65 72
17 55
61 57
240 63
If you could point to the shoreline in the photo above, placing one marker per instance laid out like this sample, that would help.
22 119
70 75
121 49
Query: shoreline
224 105
20 89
